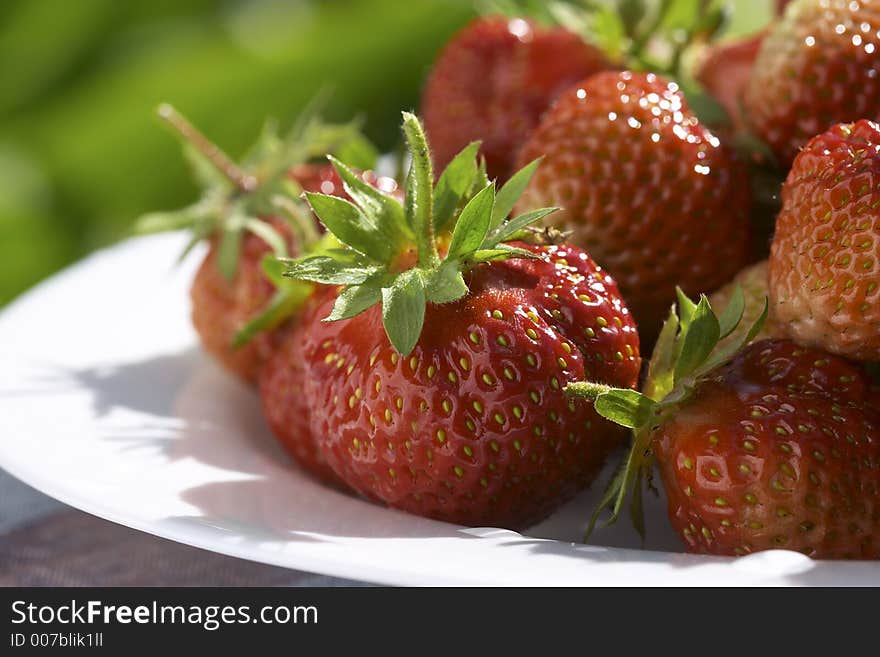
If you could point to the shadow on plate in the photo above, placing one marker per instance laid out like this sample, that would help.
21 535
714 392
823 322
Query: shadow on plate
198 412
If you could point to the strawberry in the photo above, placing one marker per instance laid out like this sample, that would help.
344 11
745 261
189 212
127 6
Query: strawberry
233 299
777 448
221 307
752 283
825 256
818 66
646 189
494 80
724 71
282 381
434 384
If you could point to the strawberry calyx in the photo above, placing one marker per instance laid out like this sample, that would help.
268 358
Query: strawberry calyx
237 198
404 256
242 198
644 35
688 350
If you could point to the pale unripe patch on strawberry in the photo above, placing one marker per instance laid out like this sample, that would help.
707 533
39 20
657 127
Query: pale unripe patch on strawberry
824 267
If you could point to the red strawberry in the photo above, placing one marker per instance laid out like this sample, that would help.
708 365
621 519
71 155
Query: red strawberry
221 307
282 382
472 426
778 448
494 80
644 187
725 70
819 65
825 255
447 400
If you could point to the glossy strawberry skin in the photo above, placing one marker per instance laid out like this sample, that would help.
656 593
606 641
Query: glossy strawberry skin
780 449
281 385
825 256
645 188
493 81
473 427
818 66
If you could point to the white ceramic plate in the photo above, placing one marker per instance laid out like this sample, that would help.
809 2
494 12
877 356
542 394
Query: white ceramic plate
107 404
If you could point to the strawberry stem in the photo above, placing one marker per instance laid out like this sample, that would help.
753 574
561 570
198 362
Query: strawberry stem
587 389
243 181
420 192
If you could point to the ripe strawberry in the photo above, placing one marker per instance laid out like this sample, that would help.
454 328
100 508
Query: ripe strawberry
778 448
645 188
818 66
494 80
221 307
825 255
752 284
233 299
724 71
446 400
282 381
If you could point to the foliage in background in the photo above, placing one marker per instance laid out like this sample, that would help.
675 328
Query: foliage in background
81 152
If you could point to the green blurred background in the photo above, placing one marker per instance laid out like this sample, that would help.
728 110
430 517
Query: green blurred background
81 154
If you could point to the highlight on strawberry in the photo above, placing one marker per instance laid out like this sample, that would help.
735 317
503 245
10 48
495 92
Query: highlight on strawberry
770 445
430 376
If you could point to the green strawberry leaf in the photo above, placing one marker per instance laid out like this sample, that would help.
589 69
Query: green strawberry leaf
637 507
661 367
160 222
266 232
623 406
349 225
355 300
455 183
501 252
627 408
727 352
230 247
274 269
732 313
328 270
509 229
283 302
686 309
265 148
199 233
403 310
420 191
446 284
509 194
699 340
473 224
386 210
204 171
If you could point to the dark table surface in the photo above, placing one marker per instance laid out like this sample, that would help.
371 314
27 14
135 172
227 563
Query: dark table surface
46 543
